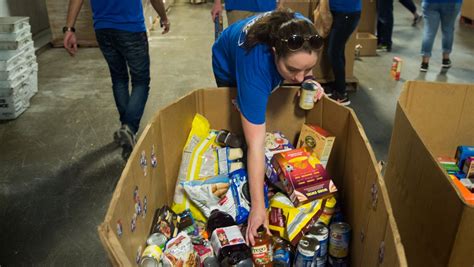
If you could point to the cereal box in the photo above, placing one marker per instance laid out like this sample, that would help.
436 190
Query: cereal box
317 141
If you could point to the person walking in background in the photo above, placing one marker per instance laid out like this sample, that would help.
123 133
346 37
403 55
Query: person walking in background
408 4
384 25
434 13
240 9
121 33
346 15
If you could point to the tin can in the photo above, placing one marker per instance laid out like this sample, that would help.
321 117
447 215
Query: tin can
282 254
151 256
210 261
321 233
308 92
308 247
340 234
157 239
338 262
321 261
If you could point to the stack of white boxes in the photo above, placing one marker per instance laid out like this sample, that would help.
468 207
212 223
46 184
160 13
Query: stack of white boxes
18 67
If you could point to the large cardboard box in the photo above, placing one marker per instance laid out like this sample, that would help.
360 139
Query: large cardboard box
305 7
467 9
368 43
375 238
435 224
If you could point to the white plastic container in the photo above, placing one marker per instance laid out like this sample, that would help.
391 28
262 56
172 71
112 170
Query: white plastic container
10 59
15 36
16 44
10 74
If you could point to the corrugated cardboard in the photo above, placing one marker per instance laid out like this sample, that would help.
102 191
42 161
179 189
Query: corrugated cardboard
467 9
368 16
436 225
305 7
352 167
368 44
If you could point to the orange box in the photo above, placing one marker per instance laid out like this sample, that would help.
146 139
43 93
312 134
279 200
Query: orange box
302 176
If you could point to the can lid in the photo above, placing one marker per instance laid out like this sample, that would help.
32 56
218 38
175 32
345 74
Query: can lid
308 86
261 229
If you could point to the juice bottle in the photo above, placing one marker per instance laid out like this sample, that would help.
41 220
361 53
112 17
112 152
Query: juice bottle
262 251
226 239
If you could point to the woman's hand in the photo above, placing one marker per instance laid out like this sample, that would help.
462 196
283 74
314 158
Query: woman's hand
257 217
320 93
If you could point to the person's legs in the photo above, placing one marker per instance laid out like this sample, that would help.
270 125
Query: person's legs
118 70
343 26
385 23
431 17
448 14
134 47
408 4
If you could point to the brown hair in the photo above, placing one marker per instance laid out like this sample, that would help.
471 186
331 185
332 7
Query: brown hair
280 24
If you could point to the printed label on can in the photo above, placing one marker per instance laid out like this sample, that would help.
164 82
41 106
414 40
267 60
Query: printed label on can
262 254
339 240
226 236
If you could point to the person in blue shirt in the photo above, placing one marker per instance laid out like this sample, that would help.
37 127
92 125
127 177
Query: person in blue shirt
255 55
434 13
121 34
346 15
240 9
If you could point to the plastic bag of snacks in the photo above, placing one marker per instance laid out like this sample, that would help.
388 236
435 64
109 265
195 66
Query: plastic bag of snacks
199 161
291 223
179 251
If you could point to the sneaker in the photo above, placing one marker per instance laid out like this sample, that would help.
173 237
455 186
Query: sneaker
416 20
384 48
446 63
424 67
328 91
127 140
117 137
342 99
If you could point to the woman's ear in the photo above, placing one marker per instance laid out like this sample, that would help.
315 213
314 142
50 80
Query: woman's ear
274 50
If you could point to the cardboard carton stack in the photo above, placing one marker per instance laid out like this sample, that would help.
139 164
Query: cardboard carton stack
18 67
365 37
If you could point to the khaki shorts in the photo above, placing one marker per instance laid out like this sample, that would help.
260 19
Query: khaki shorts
236 15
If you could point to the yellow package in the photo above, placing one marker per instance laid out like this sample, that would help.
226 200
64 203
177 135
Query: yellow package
199 161
291 223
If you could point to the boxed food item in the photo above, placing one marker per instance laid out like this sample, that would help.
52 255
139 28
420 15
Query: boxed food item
468 168
302 176
462 153
275 142
317 141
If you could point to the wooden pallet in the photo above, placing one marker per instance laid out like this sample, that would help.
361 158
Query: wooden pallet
466 21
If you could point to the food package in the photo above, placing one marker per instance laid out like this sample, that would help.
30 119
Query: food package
179 251
199 161
211 194
165 221
303 177
317 141
290 222
275 142
241 193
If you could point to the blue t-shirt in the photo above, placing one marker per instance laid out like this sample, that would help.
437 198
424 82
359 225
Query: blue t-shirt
442 1
251 5
126 15
253 72
345 6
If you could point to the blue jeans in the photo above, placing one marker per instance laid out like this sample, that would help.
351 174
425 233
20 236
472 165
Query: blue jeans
127 52
385 22
433 14
342 27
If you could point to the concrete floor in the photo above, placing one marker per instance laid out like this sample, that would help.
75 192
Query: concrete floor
59 167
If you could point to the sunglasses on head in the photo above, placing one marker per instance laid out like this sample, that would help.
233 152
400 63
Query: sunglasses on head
295 42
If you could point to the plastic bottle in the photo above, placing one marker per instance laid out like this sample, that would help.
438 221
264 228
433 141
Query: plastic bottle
226 238
262 251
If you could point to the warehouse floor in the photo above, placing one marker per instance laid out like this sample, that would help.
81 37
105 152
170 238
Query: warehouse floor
59 166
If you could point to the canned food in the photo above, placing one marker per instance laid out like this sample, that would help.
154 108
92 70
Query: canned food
157 239
308 92
338 262
282 254
151 256
340 234
308 247
321 261
320 232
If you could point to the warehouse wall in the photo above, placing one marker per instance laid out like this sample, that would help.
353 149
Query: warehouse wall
35 9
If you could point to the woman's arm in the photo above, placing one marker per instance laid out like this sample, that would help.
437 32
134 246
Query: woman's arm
255 138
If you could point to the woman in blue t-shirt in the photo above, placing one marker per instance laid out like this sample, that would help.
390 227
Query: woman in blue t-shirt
255 55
